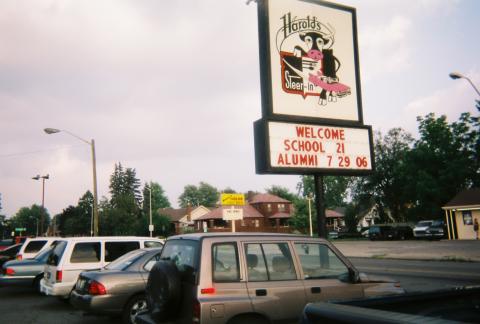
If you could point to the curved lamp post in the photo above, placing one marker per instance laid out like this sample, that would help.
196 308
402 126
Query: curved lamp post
456 75
92 146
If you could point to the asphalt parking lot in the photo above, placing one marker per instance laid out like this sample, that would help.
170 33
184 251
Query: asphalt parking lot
443 250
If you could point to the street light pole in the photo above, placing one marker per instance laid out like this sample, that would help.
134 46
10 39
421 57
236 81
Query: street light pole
150 227
309 198
456 75
45 177
94 167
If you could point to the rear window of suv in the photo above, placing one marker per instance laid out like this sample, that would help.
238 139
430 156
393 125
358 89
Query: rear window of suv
184 253
86 252
57 253
34 246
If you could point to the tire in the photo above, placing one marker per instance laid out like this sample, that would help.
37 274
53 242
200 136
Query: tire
36 283
135 305
163 291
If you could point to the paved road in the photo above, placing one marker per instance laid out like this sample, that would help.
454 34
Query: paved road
417 275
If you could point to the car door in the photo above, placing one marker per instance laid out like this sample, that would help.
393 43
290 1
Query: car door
325 276
273 284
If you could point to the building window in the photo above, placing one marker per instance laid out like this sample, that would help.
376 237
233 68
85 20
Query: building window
257 223
269 207
281 207
467 217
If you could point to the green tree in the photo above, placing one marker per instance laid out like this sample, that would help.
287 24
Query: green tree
282 192
386 187
27 217
159 200
441 163
122 213
335 194
205 195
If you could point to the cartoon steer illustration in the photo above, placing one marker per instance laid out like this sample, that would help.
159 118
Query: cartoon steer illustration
318 65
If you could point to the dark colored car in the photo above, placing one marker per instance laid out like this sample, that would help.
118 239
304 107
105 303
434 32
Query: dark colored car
9 253
27 272
118 288
390 232
5 244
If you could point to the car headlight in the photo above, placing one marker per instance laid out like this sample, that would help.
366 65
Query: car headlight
440 230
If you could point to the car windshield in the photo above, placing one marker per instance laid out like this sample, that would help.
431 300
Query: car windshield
126 260
424 224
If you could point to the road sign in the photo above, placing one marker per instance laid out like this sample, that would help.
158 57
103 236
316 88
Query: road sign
233 200
20 229
232 213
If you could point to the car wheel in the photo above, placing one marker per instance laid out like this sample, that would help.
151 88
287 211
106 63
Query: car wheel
135 305
36 283
163 291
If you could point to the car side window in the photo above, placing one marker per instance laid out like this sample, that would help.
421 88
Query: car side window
225 262
150 263
113 250
319 261
269 261
34 246
86 252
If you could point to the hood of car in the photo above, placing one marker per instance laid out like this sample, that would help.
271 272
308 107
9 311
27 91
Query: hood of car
420 228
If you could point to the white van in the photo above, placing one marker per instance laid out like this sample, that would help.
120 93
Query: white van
32 246
71 256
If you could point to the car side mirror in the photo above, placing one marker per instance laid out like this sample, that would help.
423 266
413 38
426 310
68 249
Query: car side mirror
353 275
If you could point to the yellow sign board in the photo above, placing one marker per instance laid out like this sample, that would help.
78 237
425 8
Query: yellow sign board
233 199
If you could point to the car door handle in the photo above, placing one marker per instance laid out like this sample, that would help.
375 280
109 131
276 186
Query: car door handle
261 292
316 290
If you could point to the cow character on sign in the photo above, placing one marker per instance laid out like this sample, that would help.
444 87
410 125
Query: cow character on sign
313 64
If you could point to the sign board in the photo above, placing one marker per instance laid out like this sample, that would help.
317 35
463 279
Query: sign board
300 148
151 228
232 213
232 199
20 229
309 61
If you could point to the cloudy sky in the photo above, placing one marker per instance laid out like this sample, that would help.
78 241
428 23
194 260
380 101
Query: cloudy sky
171 88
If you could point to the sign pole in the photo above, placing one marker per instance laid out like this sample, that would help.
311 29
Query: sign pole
320 205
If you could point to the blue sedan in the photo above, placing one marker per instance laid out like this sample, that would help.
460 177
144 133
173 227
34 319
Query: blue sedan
26 272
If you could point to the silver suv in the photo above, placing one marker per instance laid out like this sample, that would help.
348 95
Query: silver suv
250 278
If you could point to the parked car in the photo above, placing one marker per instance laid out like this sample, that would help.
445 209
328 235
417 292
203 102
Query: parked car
390 232
9 253
437 230
250 278
119 288
71 256
27 272
32 246
430 229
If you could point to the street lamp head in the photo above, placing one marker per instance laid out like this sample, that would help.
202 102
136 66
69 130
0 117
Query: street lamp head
46 177
37 177
456 75
51 130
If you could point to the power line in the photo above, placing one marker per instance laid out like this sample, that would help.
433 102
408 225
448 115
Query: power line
37 151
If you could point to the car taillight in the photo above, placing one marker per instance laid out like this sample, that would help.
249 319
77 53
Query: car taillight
207 291
9 272
19 257
59 276
196 312
96 288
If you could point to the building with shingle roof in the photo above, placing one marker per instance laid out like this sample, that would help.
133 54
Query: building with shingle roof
461 213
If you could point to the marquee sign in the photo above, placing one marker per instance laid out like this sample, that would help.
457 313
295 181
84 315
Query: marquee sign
312 148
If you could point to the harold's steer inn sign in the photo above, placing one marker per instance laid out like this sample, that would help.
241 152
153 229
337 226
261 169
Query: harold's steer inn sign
311 99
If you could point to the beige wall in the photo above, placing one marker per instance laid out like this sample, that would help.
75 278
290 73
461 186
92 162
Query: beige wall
466 232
